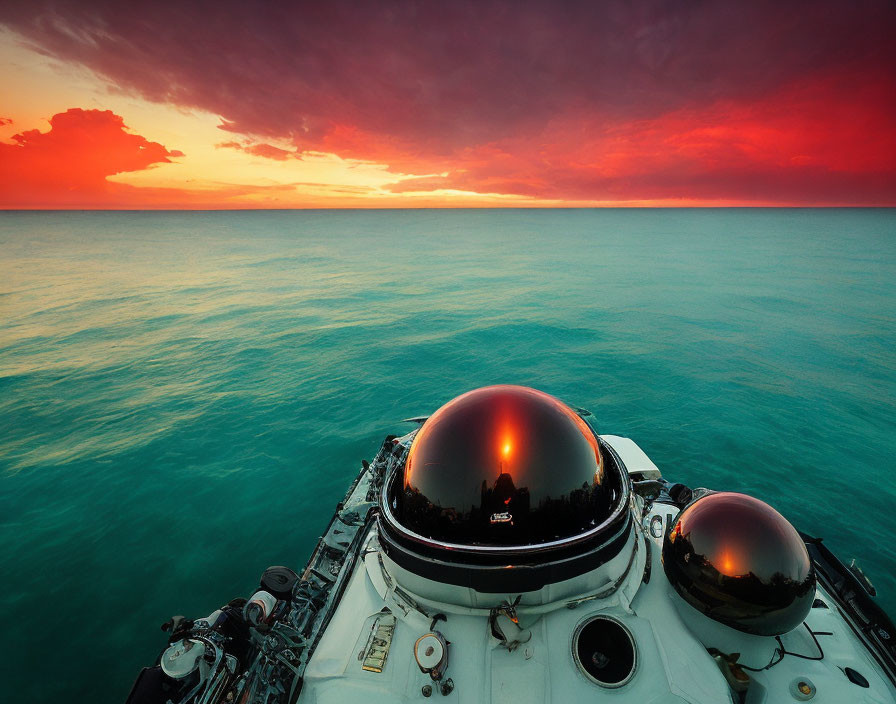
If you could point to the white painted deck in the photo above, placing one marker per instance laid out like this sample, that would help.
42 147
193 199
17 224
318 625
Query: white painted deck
673 664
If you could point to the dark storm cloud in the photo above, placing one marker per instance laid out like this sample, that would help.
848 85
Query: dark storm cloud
438 87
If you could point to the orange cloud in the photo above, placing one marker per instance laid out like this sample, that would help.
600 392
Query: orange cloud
268 151
68 165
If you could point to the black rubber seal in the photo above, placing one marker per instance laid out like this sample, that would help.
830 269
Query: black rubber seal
522 576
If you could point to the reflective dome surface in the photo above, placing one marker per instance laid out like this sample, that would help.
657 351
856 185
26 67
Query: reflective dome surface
503 466
740 562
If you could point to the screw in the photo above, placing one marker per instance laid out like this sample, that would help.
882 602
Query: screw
427 690
447 687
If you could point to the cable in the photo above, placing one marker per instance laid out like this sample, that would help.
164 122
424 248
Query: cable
781 651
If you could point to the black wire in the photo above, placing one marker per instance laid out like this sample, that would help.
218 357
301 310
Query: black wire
817 644
771 663
780 651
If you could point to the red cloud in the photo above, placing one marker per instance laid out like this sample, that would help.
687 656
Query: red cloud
801 144
68 165
580 101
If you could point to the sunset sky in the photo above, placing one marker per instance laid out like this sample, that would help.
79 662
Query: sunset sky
406 104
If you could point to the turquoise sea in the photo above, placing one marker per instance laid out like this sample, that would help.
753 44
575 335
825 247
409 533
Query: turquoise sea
184 397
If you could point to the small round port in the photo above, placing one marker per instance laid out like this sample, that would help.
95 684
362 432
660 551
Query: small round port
605 651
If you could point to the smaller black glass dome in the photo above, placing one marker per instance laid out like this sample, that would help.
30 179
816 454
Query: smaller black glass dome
503 466
741 563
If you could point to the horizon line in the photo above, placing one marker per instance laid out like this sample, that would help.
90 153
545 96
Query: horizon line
436 207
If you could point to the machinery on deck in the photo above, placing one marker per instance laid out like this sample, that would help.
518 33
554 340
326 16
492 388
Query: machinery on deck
503 551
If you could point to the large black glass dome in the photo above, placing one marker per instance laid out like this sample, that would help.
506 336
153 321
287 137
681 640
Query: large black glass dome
503 466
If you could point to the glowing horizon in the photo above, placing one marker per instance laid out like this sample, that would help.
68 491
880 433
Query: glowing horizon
481 105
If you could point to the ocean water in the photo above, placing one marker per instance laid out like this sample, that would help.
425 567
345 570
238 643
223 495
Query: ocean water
184 397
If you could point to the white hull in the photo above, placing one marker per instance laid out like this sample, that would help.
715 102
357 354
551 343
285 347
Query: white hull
350 631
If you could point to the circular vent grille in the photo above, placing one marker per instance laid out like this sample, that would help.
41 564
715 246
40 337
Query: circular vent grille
605 651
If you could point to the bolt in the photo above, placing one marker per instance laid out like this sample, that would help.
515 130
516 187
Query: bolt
427 690
447 687
804 688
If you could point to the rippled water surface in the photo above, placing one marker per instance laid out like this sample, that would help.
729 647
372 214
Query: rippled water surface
184 397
